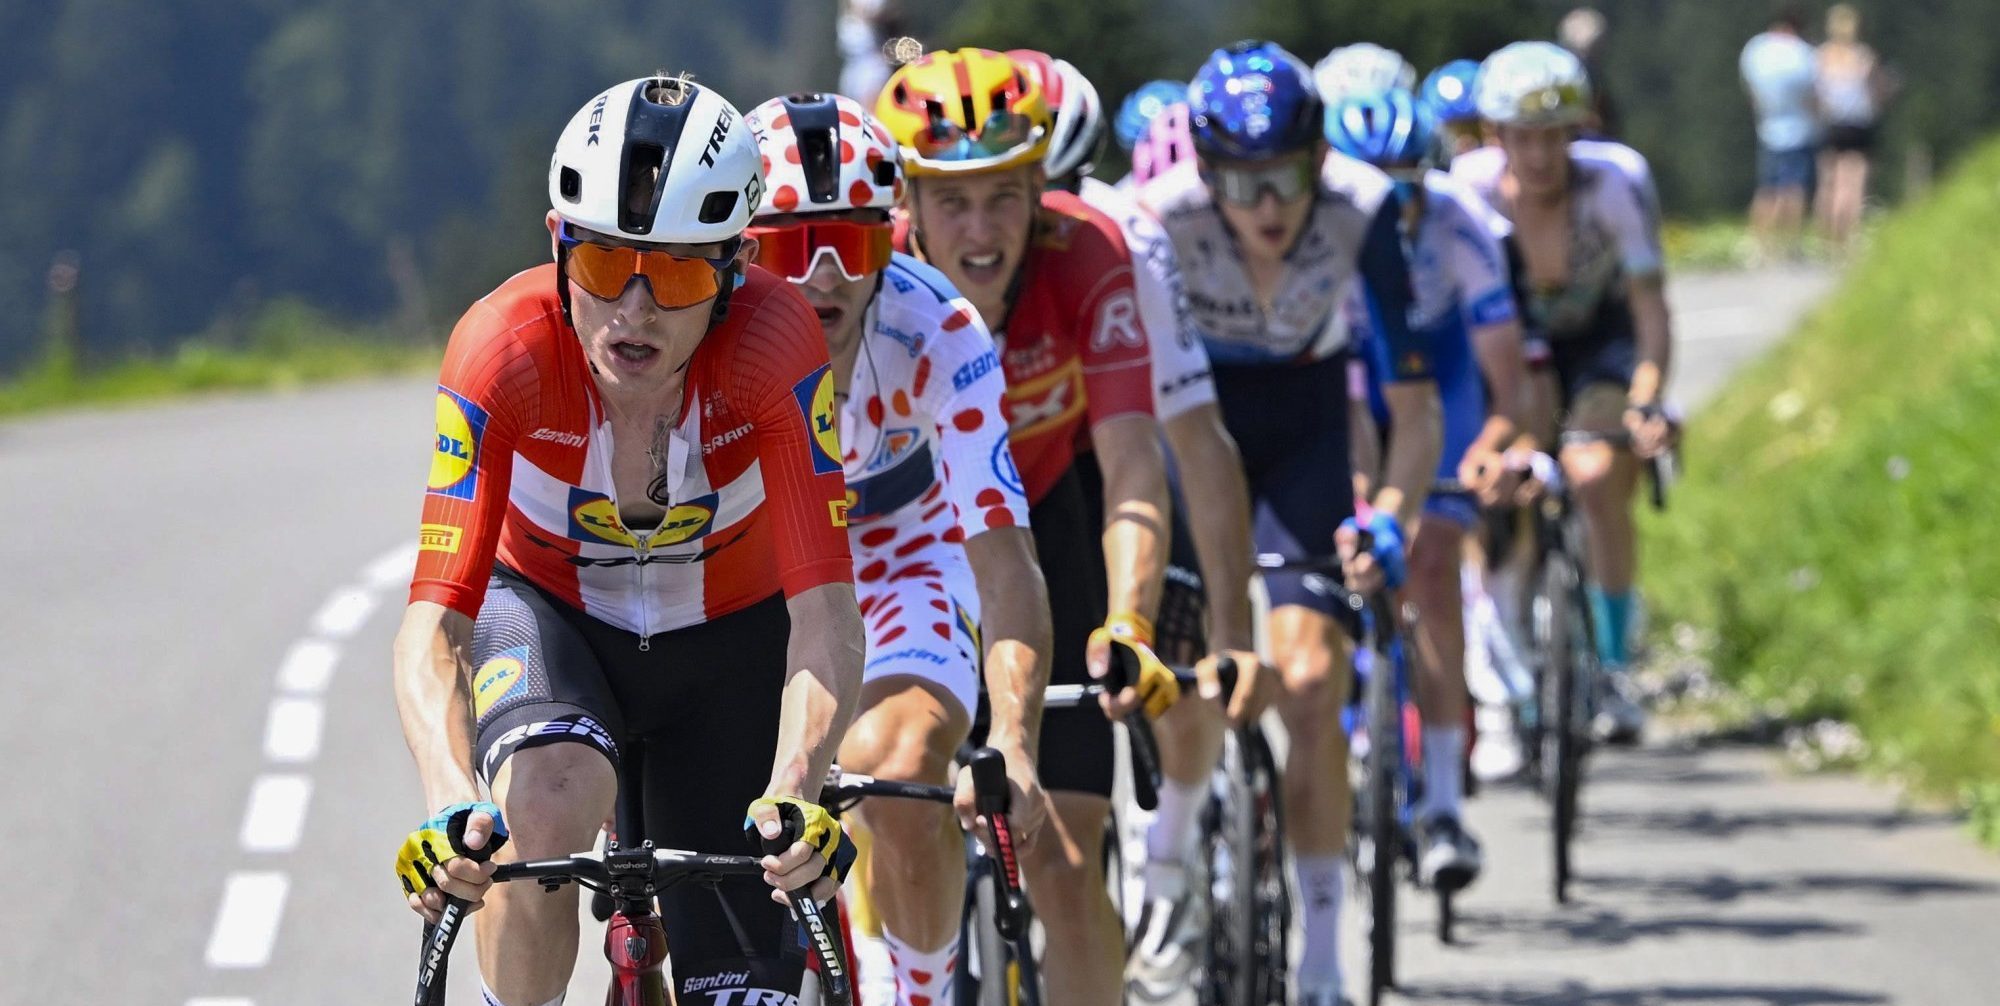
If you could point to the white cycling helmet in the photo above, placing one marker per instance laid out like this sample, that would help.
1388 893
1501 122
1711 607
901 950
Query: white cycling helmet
1533 84
823 153
710 178
1361 69
1080 126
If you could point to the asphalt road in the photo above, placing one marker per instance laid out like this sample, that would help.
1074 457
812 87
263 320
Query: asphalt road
205 780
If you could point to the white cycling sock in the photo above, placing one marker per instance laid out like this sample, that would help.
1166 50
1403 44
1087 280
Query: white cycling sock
1444 770
490 999
1319 880
1172 830
877 975
922 976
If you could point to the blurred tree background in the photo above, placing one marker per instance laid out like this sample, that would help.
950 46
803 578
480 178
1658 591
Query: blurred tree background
208 161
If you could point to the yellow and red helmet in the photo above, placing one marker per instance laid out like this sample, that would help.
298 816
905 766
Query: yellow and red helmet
968 111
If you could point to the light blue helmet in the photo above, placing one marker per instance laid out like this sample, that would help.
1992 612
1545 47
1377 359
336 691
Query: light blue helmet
1391 129
1139 107
1448 91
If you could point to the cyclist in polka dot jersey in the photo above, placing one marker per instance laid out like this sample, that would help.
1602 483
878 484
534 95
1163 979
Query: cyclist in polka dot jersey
933 498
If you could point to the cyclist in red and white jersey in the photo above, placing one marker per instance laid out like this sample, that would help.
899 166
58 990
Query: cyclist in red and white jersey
1053 279
1211 541
635 517
938 525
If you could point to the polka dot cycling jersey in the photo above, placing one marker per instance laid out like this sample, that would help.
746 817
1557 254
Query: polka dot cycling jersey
927 457
1612 236
523 462
1350 231
1074 352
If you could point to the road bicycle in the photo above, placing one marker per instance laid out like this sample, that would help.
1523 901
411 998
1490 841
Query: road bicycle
635 942
996 922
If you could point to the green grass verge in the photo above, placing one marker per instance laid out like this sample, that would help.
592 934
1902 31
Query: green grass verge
285 346
1836 528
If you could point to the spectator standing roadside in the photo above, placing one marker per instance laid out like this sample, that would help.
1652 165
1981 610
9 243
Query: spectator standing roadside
863 28
1581 31
1851 89
1779 71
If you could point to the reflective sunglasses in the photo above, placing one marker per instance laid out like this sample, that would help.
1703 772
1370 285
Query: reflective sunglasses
859 250
604 271
1002 134
1290 179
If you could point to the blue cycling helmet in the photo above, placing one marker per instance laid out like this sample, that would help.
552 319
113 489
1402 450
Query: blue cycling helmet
1141 105
1389 130
1253 101
1448 91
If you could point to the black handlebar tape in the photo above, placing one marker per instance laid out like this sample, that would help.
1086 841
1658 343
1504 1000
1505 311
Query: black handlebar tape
990 794
455 831
1122 671
1225 671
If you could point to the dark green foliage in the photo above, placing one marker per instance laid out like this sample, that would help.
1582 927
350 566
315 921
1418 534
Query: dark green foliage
383 159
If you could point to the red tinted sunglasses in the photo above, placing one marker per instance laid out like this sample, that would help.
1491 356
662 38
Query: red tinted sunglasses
859 250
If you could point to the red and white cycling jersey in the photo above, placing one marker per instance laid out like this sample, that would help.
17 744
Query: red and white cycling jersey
1074 349
928 466
522 469
1181 379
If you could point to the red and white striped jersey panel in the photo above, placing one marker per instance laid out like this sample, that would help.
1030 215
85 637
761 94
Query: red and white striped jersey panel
523 466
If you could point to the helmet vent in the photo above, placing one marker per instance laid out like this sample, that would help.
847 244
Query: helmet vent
570 184
717 207
671 91
643 180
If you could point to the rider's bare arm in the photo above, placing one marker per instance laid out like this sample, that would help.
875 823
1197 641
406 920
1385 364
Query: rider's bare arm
434 700
1220 497
1648 297
1014 616
1503 362
1416 439
1136 511
822 687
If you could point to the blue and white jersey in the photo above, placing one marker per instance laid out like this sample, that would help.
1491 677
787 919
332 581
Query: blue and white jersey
1351 233
1459 271
1181 378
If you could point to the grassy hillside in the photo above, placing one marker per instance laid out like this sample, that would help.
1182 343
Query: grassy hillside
1839 528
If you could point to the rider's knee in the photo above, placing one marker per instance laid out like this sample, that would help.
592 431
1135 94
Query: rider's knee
1434 565
898 744
555 798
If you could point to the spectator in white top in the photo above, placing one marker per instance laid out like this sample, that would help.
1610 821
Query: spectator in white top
1852 88
1779 70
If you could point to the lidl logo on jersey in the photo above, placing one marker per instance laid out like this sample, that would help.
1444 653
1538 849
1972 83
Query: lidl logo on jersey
502 677
455 465
815 398
968 625
593 517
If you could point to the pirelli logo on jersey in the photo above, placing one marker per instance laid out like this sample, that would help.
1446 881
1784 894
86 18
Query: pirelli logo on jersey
815 398
455 463
438 538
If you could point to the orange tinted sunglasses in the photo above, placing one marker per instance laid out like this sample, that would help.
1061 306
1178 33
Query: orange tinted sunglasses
604 271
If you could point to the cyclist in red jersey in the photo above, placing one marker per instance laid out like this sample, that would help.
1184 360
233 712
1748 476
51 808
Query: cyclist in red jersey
636 497
1053 280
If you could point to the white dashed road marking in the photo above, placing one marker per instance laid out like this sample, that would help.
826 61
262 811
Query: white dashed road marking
253 900
247 925
276 816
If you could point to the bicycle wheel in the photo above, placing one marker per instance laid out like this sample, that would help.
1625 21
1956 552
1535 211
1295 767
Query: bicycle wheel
1385 765
1563 661
1229 839
1271 899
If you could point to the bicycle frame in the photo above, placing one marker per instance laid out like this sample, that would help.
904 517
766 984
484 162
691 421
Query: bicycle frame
635 940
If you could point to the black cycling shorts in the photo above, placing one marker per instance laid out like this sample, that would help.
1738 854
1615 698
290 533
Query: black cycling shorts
1076 752
1291 425
1607 353
703 700
1180 627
